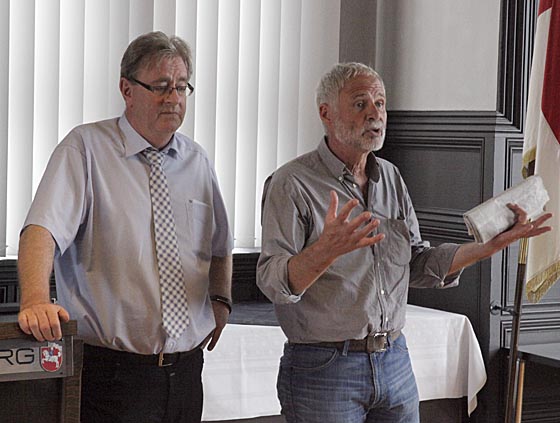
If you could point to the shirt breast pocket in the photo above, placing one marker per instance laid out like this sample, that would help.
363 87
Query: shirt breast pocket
396 246
201 223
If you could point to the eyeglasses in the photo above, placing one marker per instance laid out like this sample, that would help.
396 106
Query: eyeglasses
164 90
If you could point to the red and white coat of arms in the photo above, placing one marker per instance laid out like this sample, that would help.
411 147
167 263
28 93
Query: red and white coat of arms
51 357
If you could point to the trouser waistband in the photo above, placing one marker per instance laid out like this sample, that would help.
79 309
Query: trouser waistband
376 342
124 358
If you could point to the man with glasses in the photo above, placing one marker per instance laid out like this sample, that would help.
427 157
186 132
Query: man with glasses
130 214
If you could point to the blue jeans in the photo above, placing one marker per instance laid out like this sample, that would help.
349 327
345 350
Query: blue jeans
324 385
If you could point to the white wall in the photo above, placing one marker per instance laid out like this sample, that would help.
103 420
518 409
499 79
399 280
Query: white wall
438 54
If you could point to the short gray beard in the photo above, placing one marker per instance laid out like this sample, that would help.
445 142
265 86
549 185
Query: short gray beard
346 137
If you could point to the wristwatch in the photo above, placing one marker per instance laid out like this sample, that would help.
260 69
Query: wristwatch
223 300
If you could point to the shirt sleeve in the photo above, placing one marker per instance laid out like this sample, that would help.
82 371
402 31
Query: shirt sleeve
284 225
60 201
429 267
222 240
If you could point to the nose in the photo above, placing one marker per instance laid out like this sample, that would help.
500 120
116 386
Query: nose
373 113
172 96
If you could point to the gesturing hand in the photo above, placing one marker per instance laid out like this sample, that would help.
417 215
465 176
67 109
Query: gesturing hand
341 235
522 228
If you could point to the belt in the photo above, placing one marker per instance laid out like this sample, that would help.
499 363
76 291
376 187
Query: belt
376 342
108 356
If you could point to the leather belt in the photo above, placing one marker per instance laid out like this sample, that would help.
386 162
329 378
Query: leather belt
108 356
376 342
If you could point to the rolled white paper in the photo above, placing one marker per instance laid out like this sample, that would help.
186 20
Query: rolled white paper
493 217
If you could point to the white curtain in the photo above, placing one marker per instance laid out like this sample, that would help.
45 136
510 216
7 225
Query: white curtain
257 63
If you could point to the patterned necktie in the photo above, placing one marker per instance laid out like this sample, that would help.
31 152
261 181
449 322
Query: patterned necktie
173 294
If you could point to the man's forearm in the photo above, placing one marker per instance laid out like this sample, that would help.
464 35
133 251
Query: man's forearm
306 267
35 262
220 276
468 254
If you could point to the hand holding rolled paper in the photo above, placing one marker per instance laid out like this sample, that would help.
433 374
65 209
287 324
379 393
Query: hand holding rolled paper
493 217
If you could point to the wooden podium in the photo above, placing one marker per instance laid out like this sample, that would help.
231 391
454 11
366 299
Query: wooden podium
39 381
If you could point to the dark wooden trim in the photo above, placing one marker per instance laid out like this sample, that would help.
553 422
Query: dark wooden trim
443 121
540 409
11 330
72 387
545 326
518 18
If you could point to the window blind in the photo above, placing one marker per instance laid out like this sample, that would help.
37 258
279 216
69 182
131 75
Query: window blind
257 63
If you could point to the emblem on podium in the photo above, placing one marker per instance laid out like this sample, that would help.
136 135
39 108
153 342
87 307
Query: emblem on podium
51 357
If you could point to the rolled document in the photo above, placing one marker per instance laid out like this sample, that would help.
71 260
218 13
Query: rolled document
493 217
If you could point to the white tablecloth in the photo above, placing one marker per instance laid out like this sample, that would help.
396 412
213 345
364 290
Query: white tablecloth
240 374
445 355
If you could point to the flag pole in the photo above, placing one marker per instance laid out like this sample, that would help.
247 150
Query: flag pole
514 377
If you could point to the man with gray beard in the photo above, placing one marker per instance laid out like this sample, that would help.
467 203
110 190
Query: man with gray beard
339 276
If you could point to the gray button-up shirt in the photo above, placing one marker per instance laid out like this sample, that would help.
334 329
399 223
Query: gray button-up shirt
94 199
364 291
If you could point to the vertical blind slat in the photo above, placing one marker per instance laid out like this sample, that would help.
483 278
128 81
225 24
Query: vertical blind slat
164 16
226 101
186 29
268 113
72 14
96 43
4 91
206 75
45 116
119 27
247 122
20 117
141 17
288 100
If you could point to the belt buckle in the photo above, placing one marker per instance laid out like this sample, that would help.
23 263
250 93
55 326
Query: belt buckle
161 360
373 342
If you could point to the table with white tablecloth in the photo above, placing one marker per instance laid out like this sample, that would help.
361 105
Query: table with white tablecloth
240 374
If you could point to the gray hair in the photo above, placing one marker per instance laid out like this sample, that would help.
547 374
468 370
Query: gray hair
332 82
152 47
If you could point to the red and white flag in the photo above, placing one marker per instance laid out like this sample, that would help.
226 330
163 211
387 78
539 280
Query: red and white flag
541 148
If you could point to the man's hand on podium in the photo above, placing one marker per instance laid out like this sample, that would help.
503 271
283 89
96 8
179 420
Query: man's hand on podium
43 321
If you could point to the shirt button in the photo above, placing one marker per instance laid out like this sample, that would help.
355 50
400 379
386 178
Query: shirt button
382 292
340 178
354 185
386 319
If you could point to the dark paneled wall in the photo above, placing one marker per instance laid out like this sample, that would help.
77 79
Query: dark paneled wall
9 291
451 162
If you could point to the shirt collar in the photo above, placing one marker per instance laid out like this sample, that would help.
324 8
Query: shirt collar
337 167
134 143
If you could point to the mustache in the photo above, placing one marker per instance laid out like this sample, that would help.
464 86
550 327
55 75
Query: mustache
374 127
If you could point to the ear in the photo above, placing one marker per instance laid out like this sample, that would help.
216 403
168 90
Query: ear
126 89
326 113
